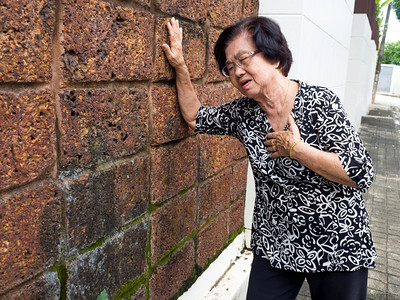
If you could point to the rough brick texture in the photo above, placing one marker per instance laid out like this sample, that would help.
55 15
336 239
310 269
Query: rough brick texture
168 123
27 135
172 223
30 234
214 194
25 42
110 266
194 50
174 169
105 42
237 148
236 215
250 8
195 10
213 69
239 177
140 294
215 155
217 94
101 202
167 279
98 125
103 186
212 239
142 2
46 286
224 13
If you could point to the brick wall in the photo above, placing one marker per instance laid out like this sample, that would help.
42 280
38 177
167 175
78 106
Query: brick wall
102 185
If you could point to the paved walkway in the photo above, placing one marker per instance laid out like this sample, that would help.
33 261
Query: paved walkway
380 131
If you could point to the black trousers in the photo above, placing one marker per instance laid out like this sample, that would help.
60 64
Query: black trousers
268 283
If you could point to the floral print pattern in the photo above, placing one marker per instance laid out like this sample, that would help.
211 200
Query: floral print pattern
302 221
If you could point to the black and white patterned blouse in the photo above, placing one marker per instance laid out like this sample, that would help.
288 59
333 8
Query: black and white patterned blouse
302 221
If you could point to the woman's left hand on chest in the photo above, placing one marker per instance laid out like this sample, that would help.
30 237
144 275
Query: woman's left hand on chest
279 143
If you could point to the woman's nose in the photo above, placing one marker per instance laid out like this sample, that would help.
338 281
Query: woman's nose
239 71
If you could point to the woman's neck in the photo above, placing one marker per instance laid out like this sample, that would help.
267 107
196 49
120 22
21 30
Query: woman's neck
274 96
278 104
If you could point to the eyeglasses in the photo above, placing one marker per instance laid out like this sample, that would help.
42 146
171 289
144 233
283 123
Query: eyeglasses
242 62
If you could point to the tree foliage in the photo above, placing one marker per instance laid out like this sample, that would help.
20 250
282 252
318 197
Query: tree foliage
391 54
379 5
379 8
396 8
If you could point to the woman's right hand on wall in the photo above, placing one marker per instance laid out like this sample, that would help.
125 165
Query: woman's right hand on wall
174 50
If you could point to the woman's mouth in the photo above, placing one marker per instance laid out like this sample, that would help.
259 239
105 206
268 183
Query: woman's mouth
245 84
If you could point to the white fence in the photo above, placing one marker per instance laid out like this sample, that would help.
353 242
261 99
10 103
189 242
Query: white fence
389 80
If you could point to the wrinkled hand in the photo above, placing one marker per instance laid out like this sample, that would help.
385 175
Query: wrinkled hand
279 142
174 50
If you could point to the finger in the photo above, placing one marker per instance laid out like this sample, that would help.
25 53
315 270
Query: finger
268 142
166 48
271 148
175 23
274 153
171 26
169 29
175 33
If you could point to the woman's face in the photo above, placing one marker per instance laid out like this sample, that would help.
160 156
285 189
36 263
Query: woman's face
258 75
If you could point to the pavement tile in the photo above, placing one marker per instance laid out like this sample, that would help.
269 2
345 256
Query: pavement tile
379 246
375 274
394 292
394 279
376 295
394 256
380 131
377 285
393 267
376 235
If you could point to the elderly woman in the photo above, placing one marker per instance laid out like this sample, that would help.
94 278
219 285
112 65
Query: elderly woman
309 164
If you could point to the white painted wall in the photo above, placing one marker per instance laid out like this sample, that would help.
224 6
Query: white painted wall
318 33
331 47
361 70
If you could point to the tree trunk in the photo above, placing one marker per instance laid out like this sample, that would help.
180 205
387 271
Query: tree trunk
380 53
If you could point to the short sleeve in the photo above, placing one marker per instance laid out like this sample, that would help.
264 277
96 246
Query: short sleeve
217 120
339 136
